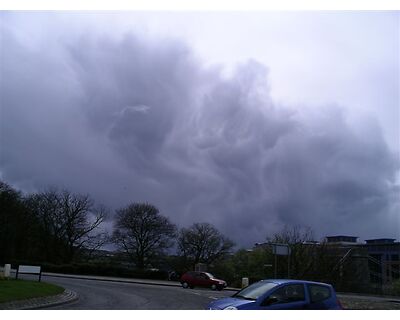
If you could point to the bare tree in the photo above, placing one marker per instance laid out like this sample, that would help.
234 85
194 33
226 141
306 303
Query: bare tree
142 233
202 242
80 218
303 249
69 222
293 235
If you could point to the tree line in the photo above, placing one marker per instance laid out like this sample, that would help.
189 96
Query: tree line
51 226
57 227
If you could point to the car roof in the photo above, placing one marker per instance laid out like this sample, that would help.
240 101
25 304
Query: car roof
283 281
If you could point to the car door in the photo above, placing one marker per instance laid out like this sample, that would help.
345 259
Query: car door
286 297
203 279
197 279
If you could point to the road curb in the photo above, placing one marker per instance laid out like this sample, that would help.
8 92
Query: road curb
67 296
165 284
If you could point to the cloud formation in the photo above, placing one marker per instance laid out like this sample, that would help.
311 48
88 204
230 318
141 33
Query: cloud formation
134 119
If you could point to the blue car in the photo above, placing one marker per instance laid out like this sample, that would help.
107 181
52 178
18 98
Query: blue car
280 295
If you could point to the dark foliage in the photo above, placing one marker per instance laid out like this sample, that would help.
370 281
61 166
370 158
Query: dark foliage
47 227
19 227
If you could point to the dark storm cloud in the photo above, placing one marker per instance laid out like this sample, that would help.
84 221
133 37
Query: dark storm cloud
143 120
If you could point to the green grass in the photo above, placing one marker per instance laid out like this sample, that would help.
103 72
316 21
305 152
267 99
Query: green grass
11 290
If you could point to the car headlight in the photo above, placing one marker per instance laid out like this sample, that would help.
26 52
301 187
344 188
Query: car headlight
230 308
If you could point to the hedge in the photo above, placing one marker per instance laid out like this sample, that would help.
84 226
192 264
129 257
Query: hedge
97 269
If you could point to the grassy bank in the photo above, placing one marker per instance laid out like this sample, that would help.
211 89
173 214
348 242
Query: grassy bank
11 290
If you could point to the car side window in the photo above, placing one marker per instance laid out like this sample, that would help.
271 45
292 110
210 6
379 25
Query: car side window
289 293
318 293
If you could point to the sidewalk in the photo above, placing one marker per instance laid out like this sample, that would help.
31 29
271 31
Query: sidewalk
394 299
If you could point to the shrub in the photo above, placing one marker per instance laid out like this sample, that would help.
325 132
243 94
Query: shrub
396 288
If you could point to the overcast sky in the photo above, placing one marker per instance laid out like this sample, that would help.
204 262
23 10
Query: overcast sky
249 121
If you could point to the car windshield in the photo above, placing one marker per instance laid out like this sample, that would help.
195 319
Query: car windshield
209 275
255 290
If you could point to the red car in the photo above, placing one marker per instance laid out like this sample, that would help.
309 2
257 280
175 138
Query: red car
193 279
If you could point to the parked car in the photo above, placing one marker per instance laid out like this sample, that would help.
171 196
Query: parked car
193 279
280 294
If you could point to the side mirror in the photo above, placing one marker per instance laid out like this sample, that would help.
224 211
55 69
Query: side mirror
269 301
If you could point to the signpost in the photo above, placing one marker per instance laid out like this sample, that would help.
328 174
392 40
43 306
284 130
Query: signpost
7 269
281 249
29 270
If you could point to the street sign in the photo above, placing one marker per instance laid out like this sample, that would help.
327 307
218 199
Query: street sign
280 249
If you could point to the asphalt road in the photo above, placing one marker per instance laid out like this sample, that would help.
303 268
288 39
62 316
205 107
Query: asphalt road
109 295
96 295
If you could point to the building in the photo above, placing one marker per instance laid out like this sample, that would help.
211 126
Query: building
342 240
364 266
384 261
383 256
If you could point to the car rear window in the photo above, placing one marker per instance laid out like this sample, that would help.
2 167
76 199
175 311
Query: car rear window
318 293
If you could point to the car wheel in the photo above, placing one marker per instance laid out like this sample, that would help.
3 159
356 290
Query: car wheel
214 287
185 285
